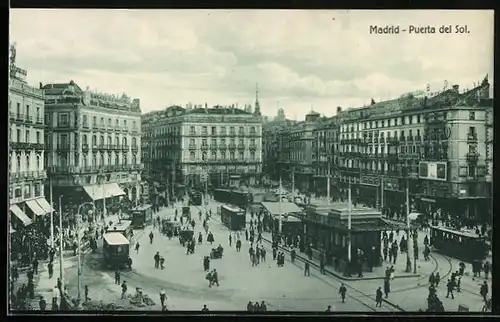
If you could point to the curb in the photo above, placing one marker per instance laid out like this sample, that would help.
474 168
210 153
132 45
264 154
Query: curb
337 274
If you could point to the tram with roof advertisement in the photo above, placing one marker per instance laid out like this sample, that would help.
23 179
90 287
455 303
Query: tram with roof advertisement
124 227
458 244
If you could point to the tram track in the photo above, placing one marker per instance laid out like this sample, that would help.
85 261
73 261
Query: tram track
326 281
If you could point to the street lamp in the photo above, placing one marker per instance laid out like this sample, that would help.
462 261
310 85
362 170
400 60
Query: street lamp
78 221
61 245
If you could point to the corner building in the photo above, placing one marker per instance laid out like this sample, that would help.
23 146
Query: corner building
27 203
439 146
188 147
93 143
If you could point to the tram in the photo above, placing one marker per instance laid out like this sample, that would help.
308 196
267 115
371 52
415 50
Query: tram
458 244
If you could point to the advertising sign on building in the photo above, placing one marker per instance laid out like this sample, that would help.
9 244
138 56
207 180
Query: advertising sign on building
432 170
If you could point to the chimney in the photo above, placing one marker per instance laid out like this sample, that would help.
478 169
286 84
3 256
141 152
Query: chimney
339 109
206 105
455 88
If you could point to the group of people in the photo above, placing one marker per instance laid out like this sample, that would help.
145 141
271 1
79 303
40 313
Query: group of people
256 307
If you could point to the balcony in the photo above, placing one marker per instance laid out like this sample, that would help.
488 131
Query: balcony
204 133
472 157
471 138
116 128
435 120
135 147
252 146
124 129
241 147
418 138
409 138
222 146
402 138
135 130
63 147
204 146
192 147
232 134
213 146
72 169
85 125
232 146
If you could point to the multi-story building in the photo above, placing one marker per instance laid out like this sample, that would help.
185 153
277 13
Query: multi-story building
296 152
439 146
271 146
93 144
26 150
325 156
214 145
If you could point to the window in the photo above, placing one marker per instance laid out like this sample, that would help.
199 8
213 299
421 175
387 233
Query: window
27 110
38 137
117 159
214 142
18 109
28 165
18 163
204 156
94 121
94 140
241 130
117 141
223 130
252 130
191 156
472 115
252 142
252 155
134 125
214 130
472 170
63 119
110 140
27 191
18 132
109 159
125 123
191 142
101 140
101 159
124 141
418 118
204 130
204 142
241 155
125 159
192 130
241 142
223 155
472 130
231 155
27 138
134 159
117 123
214 155
231 130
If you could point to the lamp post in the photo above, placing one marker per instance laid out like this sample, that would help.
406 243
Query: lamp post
78 221
61 245
408 261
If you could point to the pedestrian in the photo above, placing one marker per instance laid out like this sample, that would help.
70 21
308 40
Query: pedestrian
432 279
246 234
42 303
437 279
387 287
486 269
307 269
86 293
151 236
162 262
56 296
483 291
322 264
35 265
117 277
250 307
124 289
50 268
459 280
449 287
263 306
390 254
378 297
329 308
342 291
162 297
230 240
205 308
275 250
385 253
156 258
215 277
263 254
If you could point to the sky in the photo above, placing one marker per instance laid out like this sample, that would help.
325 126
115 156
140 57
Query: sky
303 60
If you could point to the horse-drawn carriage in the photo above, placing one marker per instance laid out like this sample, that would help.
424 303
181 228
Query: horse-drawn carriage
185 235
216 253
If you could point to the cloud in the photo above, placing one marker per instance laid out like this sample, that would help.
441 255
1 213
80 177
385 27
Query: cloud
303 59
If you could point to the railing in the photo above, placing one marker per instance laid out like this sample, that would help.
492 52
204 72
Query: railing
409 139
85 125
204 146
472 157
241 146
418 138
471 138
232 134
135 147
63 147
232 146
135 130
252 146
223 146
192 146
213 146
204 133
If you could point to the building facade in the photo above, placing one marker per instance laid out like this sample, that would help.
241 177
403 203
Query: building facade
436 145
296 152
215 145
93 144
26 151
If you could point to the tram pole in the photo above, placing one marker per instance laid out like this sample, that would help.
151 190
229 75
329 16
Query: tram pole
408 261
280 209
349 245
328 183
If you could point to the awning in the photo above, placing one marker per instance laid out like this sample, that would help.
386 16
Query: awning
95 192
113 190
44 205
37 210
21 215
274 208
